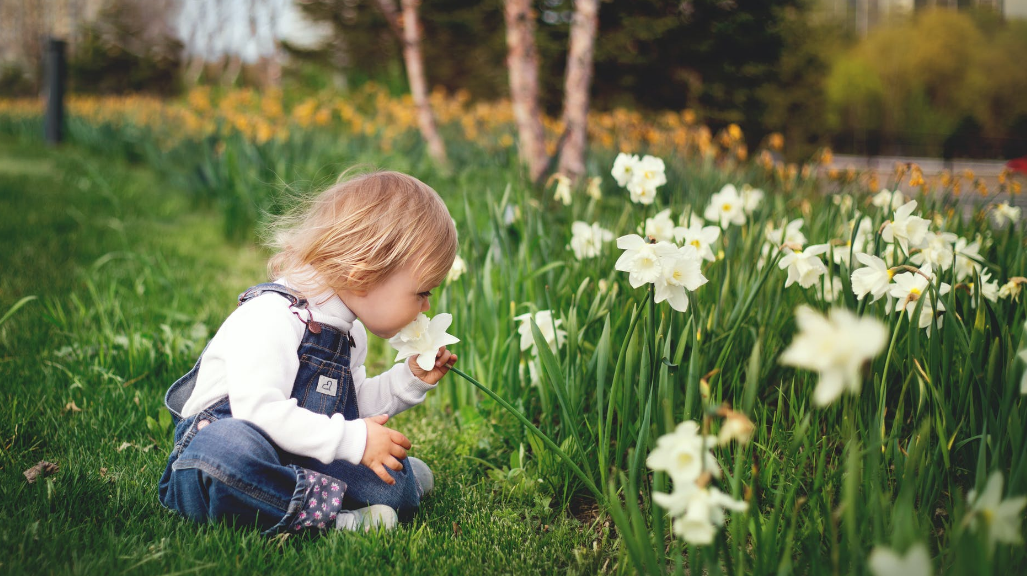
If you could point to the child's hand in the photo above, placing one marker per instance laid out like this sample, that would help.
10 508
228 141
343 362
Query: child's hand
384 448
444 360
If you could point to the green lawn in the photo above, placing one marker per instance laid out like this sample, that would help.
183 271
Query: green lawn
130 279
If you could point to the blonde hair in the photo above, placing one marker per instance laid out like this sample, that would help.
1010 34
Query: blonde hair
362 229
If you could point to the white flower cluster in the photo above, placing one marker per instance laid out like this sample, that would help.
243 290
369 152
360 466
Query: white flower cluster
673 270
640 176
587 240
729 207
696 507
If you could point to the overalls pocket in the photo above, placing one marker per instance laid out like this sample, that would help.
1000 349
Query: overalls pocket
322 386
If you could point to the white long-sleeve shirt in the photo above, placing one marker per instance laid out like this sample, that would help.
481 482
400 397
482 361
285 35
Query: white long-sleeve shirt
253 359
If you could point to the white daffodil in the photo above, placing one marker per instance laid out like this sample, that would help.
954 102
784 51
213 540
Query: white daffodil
639 260
888 199
905 229
833 289
684 454
1006 214
736 426
690 219
791 234
563 189
804 267
587 241
752 198
700 237
423 338
661 226
835 346
680 274
594 189
457 270
704 513
726 207
1011 289
647 175
886 562
967 256
624 168
843 253
937 249
1001 519
549 328
989 289
908 288
874 278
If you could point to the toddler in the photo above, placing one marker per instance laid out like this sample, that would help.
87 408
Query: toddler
278 423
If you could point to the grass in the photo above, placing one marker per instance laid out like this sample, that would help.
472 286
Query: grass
130 278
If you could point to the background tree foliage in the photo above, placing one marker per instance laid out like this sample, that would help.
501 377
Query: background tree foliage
944 82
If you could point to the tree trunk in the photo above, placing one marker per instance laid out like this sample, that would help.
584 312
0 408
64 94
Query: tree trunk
522 61
408 28
578 81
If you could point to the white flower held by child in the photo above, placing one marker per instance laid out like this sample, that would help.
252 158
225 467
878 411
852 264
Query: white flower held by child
423 338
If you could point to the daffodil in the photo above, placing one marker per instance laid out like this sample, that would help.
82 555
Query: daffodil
874 278
639 260
594 189
752 198
905 229
1010 289
423 338
888 199
999 518
549 328
587 240
563 189
791 234
457 270
680 274
989 289
832 289
624 168
684 454
661 226
967 257
937 249
835 346
703 512
886 562
700 237
908 288
1006 214
804 267
726 207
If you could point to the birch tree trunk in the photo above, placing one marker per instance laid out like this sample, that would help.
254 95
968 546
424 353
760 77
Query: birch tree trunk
407 26
522 61
576 87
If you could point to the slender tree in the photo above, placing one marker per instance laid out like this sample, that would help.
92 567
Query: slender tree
522 62
576 88
407 27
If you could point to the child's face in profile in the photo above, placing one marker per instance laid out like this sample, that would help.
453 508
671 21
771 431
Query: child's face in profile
386 308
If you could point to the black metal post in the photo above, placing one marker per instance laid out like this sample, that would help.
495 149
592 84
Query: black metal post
55 75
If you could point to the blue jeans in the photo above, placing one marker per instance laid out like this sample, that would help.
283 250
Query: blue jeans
224 468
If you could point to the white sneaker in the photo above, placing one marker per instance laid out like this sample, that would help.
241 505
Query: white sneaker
378 515
422 474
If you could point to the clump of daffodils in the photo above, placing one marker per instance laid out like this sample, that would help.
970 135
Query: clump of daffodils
640 176
423 338
587 240
727 207
697 507
549 328
835 346
672 270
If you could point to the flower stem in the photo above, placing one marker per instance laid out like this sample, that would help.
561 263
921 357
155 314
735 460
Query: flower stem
545 439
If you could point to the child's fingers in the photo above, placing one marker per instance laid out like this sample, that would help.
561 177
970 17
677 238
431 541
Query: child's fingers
380 418
393 463
398 451
400 439
380 471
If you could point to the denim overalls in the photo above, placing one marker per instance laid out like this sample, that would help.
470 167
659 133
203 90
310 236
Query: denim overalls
226 468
